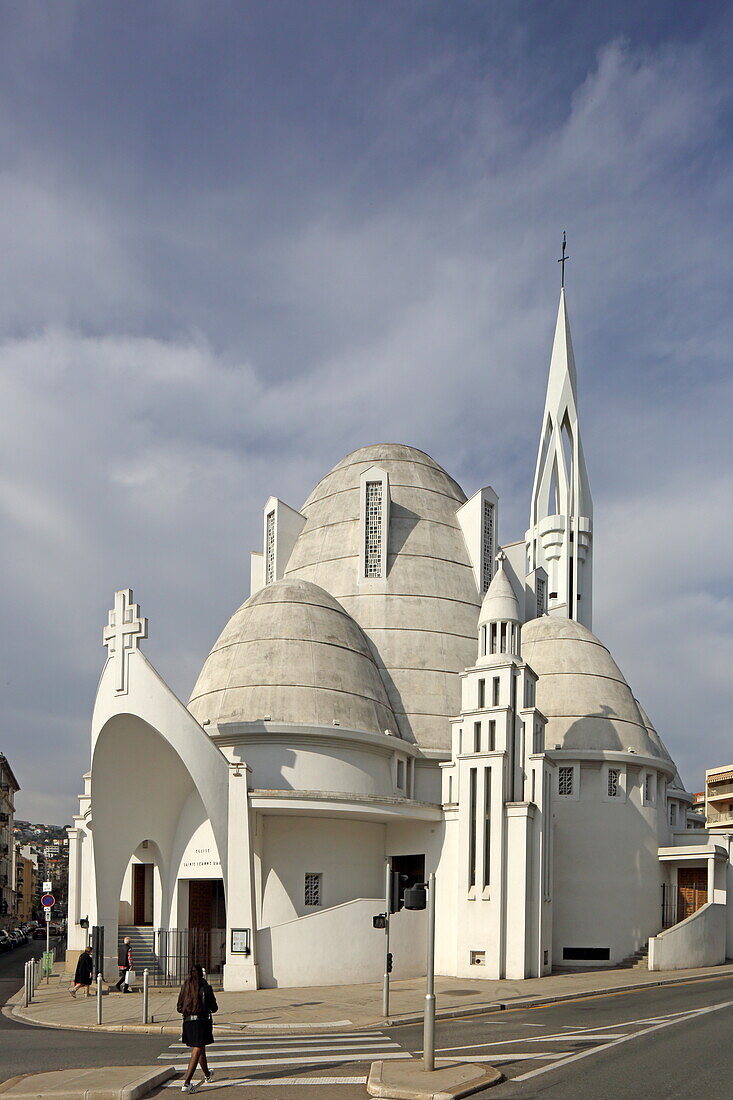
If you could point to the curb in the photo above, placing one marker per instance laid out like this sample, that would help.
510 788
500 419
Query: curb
485 1077
133 1090
15 1012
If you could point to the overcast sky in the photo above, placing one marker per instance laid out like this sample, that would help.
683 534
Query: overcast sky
240 240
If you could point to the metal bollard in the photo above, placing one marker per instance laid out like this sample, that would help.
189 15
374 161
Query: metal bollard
27 986
146 992
99 998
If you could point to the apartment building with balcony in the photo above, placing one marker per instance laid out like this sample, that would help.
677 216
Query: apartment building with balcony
719 798
26 880
9 786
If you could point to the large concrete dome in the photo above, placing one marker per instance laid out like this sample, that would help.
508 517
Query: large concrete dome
582 691
421 619
293 653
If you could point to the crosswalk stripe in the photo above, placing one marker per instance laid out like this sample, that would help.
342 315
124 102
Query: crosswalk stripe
291 1044
243 1082
221 1055
222 1036
317 1059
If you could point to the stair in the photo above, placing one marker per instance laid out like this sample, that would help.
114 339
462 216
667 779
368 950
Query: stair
638 961
142 942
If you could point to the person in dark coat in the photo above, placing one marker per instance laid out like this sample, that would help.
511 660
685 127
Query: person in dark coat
84 972
124 965
196 1002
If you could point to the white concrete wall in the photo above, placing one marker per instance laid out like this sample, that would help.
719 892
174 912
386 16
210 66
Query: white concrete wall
339 946
697 941
605 863
348 854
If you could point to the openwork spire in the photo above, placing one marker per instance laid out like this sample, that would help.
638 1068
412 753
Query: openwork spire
561 513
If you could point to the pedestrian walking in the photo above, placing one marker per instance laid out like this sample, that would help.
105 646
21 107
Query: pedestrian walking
124 965
196 1002
84 972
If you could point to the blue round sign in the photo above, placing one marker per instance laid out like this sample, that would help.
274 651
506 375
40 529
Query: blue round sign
48 900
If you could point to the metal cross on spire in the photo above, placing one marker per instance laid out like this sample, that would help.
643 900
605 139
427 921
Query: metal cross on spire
563 259
125 629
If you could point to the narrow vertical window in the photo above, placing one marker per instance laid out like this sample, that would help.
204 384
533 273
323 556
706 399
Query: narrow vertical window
503 638
477 737
492 736
270 549
487 826
312 888
373 530
401 775
488 552
481 694
612 787
473 774
673 813
541 596
648 788
493 629
495 692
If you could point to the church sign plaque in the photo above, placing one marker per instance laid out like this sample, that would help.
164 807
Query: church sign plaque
240 941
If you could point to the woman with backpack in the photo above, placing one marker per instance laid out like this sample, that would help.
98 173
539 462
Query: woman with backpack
196 1002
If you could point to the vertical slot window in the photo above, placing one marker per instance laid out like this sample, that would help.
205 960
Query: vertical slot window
492 736
373 530
270 549
477 737
481 694
312 888
495 691
473 776
488 551
487 826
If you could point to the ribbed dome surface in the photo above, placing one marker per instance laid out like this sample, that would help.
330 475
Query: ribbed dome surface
293 653
582 691
421 619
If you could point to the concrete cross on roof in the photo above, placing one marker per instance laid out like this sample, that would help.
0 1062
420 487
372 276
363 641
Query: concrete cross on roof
123 633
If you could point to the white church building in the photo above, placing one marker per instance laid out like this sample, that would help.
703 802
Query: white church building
399 691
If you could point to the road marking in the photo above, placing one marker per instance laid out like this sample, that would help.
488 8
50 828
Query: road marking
287 1044
243 1082
221 1057
626 1038
317 1059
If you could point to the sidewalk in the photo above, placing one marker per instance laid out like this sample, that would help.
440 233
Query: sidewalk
357 1006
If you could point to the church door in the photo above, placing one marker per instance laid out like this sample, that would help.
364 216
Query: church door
142 893
692 890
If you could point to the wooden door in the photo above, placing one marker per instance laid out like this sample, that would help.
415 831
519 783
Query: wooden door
199 903
692 890
138 893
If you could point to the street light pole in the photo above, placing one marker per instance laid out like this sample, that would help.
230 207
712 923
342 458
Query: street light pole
429 1020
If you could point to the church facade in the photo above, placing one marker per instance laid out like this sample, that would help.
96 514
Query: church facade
400 694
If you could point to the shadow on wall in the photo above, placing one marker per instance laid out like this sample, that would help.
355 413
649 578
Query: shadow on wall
607 736
402 522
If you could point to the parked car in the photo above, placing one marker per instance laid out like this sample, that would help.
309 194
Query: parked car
5 941
39 933
22 938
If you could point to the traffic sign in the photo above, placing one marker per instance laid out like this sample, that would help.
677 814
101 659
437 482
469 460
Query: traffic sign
47 913
47 886
48 900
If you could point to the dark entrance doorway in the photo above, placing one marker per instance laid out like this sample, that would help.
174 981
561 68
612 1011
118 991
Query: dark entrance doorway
142 894
206 907
412 866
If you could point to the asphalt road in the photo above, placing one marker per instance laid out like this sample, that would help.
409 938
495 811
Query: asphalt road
659 1043
28 1049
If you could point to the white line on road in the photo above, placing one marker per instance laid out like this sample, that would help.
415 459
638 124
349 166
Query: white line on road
617 1042
317 1059
243 1082
335 1052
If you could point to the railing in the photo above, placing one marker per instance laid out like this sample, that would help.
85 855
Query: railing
175 950
716 817
726 787
676 906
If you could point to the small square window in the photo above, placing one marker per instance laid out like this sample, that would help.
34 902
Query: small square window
613 778
313 888
565 781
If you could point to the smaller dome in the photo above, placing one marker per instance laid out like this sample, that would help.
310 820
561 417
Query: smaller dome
583 693
292 654
500 602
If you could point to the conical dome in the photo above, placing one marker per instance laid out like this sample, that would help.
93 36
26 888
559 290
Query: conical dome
500 603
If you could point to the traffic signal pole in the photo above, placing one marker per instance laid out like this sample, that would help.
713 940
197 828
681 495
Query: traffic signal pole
385 980
429 1020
